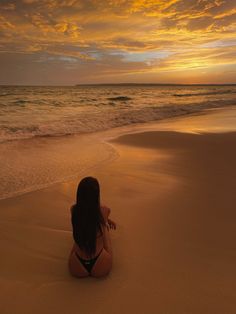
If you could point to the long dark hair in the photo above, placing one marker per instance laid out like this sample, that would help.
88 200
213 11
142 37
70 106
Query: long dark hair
86 215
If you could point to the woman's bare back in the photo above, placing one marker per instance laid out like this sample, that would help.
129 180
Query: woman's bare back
103 263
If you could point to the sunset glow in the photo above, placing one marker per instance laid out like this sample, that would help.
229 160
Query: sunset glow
113 41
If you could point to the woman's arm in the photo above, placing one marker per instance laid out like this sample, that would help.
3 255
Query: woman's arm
106 240
111 224
105 212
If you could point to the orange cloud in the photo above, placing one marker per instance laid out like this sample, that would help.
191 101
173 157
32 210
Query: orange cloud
160 35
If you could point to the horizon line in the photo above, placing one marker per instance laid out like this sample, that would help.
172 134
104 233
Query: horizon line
120 84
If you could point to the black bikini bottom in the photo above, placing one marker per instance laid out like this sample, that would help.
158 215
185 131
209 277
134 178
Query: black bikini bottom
88 263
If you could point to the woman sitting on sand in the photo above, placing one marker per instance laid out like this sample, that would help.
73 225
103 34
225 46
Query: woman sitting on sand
91 254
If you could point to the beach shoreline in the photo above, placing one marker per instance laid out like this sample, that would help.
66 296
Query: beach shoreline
172 196
66 158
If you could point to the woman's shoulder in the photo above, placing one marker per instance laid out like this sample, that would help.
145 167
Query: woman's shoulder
105 211
105 208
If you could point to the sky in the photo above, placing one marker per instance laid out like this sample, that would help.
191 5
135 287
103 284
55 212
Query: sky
67 42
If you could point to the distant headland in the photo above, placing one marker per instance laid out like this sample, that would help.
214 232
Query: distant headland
155 84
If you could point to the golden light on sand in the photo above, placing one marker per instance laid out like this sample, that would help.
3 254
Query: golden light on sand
75 41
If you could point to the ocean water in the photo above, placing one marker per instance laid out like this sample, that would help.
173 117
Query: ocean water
27 112
36 124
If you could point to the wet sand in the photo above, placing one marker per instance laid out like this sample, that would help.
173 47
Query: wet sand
173 198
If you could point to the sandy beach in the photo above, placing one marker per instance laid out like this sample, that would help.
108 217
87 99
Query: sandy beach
173 197
141 96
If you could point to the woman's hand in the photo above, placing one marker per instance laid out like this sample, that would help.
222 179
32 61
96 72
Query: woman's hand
111 224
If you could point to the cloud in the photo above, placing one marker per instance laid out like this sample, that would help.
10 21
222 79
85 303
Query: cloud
204 58
121 36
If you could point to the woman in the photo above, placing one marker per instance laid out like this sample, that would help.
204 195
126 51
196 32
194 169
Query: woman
91 254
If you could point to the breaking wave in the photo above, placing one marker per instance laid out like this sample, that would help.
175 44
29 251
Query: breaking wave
87 122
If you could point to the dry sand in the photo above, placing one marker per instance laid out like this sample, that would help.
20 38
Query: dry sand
173 198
